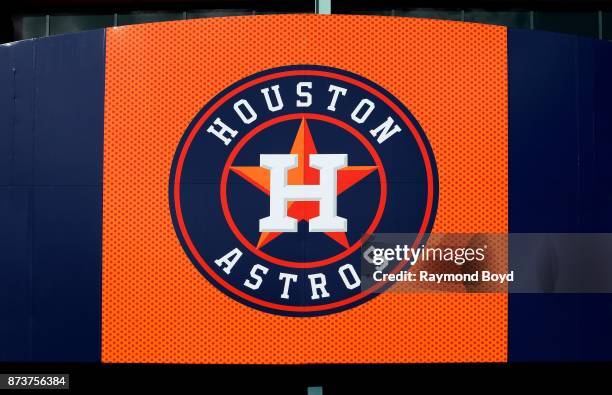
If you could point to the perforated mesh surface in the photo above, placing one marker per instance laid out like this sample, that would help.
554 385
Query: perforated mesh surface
158 308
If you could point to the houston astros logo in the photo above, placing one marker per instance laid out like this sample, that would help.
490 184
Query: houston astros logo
280 179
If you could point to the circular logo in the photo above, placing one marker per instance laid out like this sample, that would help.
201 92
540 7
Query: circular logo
279 180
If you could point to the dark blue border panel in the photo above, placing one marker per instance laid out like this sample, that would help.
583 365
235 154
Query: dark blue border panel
69 114
15 275
17 106
598 186
16 98
560 167
543 132
51 119
66 274
7 94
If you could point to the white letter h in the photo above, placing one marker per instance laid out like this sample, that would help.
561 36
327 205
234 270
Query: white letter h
325 193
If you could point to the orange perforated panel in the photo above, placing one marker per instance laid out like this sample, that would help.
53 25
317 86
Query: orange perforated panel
158 308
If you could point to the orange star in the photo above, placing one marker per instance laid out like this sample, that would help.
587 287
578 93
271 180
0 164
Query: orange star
303 174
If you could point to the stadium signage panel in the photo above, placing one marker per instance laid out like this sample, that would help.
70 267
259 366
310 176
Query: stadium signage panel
203 191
